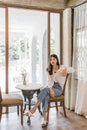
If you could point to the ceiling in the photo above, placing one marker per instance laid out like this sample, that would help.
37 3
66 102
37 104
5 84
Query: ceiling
42 4
46 4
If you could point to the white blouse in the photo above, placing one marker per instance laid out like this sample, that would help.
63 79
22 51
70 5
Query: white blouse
58 77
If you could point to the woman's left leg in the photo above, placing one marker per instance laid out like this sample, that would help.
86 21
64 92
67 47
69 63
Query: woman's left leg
44 108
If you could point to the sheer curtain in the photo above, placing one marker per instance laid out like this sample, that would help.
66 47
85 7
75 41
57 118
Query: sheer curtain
79 78
67 50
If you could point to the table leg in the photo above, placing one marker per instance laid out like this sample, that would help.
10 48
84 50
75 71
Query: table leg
29 106
24 104
29 95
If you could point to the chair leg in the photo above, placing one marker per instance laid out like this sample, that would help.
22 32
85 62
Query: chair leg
64 108
7 110
0 113
18 109
61 103
56 106
21 114
48 111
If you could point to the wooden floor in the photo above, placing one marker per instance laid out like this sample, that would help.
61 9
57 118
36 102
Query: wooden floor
57 121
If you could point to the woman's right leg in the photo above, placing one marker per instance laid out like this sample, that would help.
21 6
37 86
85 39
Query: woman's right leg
44 122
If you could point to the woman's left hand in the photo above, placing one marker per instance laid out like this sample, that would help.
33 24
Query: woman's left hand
64 71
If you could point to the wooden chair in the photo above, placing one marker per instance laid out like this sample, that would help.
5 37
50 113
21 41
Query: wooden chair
8 100
58 99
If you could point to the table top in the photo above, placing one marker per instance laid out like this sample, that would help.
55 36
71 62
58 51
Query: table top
30 86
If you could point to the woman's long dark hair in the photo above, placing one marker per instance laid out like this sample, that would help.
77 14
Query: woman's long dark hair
50 67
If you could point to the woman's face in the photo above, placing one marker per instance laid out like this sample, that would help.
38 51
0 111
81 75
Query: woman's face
53 61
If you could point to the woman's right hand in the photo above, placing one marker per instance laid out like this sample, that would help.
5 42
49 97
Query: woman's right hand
52 94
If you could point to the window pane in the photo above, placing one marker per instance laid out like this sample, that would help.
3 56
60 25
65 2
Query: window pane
55 34
27 46
2 49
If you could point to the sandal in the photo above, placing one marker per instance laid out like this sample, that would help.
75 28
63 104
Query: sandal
29 114
44 123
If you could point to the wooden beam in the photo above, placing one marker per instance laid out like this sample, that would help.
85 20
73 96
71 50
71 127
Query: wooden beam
48 35
61 37
6 42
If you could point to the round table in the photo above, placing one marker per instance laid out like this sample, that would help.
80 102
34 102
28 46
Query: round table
28 90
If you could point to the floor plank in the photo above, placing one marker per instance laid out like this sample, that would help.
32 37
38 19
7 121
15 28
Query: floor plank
57 121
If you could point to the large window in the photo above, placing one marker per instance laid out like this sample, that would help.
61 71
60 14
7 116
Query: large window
55 33
26 38
27 45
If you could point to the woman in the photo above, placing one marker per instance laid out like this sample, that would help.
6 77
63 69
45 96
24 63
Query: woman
56 77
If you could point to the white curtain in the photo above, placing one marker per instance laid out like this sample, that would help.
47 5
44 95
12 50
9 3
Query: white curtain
79 78
67 49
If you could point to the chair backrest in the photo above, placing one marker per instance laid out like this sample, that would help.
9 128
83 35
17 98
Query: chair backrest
0 95
64 86
70 70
